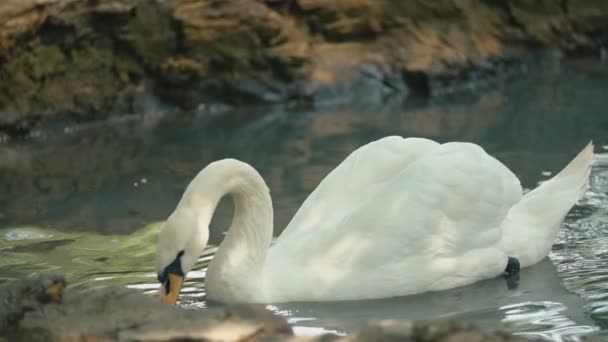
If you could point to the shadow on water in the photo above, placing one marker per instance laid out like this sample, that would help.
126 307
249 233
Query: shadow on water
95 187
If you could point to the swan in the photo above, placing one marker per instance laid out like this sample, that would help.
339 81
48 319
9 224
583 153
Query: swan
398 216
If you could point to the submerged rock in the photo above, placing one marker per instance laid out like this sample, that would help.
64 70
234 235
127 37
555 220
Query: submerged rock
41 309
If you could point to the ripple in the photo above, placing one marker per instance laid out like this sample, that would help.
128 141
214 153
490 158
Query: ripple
584 272
26 233
581 253
543 320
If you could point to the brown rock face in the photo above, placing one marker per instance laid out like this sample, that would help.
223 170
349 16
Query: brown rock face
91 58
60 58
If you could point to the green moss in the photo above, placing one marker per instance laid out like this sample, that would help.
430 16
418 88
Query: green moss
125 65
23 85
151 34
46 60
93 57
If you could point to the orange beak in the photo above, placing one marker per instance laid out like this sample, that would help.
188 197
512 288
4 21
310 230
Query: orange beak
172 288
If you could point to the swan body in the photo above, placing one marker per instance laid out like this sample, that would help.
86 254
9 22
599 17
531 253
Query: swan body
396 217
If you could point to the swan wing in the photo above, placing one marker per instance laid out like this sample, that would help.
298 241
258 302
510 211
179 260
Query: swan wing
363 171
434 223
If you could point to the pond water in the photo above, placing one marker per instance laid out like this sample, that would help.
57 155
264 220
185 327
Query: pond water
86 200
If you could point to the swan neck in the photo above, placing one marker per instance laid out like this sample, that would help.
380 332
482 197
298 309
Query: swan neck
235 270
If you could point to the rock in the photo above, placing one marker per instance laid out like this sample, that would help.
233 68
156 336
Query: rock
88 59
121 314
29 295
424 332
41 309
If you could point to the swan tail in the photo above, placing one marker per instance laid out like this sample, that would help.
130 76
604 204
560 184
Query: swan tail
532 224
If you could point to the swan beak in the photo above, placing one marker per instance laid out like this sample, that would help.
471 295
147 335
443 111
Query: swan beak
172 288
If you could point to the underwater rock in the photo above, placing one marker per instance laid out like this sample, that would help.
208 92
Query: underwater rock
91 59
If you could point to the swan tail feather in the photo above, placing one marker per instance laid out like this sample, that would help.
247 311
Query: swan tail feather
533 223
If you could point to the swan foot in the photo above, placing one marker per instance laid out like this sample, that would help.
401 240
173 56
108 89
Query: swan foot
511 273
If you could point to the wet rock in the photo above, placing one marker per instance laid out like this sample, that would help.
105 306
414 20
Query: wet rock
121 314
423 332
29 295
40 309
89 59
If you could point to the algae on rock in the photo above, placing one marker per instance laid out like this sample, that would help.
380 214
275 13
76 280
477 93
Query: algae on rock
88 59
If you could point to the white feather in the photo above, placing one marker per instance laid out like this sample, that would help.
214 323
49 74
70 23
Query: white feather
397 217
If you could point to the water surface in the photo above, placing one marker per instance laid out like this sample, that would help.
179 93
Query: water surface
86 201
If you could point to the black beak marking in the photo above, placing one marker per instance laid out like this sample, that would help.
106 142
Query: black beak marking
175 267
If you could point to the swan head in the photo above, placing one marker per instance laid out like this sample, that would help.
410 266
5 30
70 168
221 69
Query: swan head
180 243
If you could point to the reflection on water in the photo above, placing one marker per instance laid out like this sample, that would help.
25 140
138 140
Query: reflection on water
96 187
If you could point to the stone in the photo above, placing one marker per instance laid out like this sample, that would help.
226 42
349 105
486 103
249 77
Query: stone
87 60
41 308
422 332
38 309
17 299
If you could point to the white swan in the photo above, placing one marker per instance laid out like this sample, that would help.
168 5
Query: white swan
397 217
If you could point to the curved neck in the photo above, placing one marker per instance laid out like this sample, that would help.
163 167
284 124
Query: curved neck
235 269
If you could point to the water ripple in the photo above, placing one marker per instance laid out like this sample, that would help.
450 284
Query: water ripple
543 320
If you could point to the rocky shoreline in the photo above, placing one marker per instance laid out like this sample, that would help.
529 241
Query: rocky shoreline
86 60
40 308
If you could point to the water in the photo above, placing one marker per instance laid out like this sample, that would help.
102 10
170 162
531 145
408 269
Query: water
86 200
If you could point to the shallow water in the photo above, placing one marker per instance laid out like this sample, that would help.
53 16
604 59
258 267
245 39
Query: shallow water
85 201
